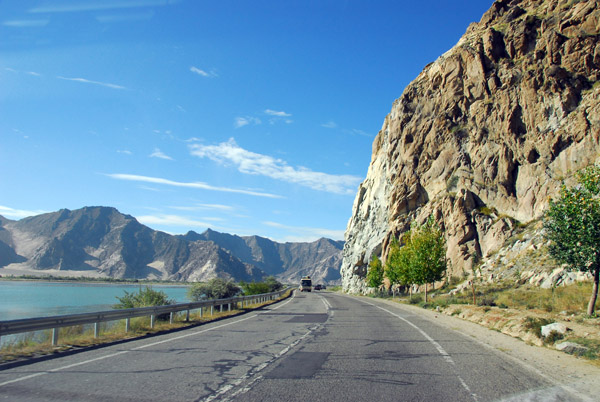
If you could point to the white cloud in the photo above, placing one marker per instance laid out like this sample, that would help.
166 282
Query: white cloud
203 73
34 73
18 213
171 220
79 6
159 154
129 17
25 23
196 185
124 151
307 233
329 124
244 121
271 112
198 207
257 164
86 81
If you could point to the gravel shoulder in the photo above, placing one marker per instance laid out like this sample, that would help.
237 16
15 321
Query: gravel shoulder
577 375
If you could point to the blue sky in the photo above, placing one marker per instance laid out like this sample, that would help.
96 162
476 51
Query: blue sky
248 117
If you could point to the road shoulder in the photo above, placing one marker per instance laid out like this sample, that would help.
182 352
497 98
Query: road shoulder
575 374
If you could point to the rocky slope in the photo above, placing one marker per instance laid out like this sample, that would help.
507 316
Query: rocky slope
289 262
485 135
100 241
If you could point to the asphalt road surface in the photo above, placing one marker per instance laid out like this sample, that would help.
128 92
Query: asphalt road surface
318 346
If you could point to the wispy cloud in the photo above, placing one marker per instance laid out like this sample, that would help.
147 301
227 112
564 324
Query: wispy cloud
354 131
124 151
159 154
307 233
78 6
257 164
172 220
33 73
86 81
129 17
244 121
271 112
196 185
12 213
203 73
329 124
26 23
203 207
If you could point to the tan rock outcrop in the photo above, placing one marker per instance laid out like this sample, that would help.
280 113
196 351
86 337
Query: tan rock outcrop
485 135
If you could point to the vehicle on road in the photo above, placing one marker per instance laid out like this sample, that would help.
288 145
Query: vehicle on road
318 287
306 284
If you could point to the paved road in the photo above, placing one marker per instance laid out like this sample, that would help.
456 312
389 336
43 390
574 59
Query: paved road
314 346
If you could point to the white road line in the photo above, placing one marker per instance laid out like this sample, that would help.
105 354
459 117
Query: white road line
122 352
439 347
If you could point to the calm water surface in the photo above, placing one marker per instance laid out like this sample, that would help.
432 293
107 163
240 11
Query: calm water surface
26 299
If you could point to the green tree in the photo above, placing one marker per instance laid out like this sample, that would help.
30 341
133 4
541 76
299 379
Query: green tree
375 273
215 288
397 264
572 224
422 259
428 259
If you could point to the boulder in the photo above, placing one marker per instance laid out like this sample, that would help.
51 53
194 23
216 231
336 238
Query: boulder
571 348
554 327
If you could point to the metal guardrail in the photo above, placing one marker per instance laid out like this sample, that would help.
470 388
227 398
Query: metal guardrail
42 323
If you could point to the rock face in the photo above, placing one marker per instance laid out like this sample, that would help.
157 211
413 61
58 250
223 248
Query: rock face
485 135
289 262
103 242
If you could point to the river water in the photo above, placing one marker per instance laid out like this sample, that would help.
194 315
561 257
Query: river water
26 299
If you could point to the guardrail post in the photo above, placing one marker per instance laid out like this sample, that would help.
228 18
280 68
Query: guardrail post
228 306
187 315
220 308
127 324
96 329
152 321
54 336
212 308
171 317
201 312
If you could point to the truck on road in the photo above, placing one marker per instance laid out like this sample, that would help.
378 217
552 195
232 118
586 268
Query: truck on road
306 284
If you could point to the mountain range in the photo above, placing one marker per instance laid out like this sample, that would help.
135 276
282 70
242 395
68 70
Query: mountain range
102 242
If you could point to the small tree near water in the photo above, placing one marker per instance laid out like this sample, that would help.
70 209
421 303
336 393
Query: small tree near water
572 224
215 288
145 297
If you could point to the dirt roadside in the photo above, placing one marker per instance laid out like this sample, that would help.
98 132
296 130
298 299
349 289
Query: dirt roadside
576 375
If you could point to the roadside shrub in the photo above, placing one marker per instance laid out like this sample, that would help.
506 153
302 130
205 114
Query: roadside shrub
553 337
144 297
535 325
415 299
270 284
216 288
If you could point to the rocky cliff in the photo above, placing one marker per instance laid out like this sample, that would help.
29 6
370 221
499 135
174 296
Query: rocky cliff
485 135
